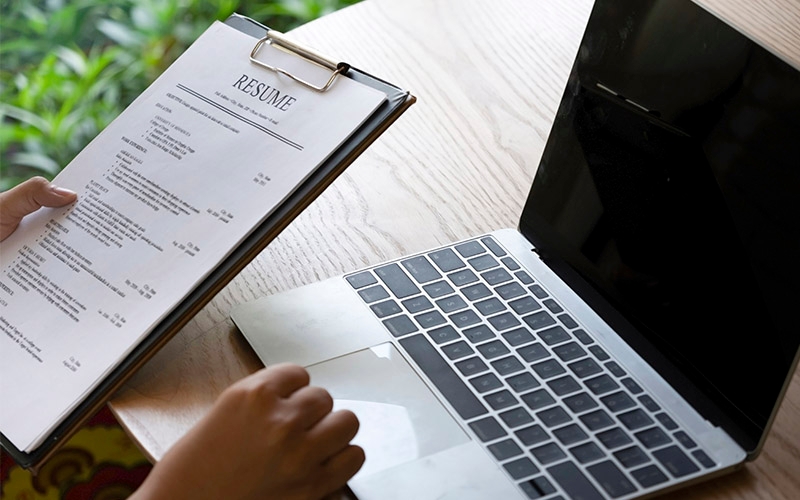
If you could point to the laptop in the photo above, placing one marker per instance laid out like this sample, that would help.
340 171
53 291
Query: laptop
633 335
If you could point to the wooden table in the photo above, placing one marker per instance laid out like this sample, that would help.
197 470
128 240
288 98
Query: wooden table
488 76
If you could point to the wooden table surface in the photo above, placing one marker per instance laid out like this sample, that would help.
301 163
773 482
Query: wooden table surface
488 77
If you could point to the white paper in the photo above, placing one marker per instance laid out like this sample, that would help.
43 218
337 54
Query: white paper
165 193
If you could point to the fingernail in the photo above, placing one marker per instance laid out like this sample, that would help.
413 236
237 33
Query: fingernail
61 191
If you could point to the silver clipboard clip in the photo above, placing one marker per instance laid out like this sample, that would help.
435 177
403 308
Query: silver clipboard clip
277 39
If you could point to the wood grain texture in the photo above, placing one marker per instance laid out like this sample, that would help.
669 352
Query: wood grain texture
488 77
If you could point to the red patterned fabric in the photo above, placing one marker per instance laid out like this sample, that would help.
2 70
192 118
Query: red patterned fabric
98 463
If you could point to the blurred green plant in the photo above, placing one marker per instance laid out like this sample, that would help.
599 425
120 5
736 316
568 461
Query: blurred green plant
67 68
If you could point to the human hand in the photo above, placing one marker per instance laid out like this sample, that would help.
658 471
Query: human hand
28 197
268 436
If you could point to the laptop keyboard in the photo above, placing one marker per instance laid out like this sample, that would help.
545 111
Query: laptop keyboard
552 407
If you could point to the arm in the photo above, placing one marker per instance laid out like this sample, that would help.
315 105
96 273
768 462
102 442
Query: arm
268 436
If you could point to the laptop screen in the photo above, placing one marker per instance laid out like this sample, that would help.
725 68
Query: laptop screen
670 184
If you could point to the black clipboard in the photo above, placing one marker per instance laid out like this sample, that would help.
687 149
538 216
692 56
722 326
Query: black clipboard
397 101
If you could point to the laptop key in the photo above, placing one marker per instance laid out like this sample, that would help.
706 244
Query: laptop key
585 367
487 429
548 453
666 421
573 482
463 277
478 334
483 262
507 366
505 449
452 303
476 292
580 402
492 245
486 383
649 476
385 308
614 438
532 435
653 437
503 321
704 459
537 487
491 350
417 304
397 281
533 352
361 280
570 434
539 320
516 417
443 334
618 401
469 248
449 383
596 420
421 269
522 382
552 336
446 260
635 419
430 319
520 468
569 351
465 318
631 457
685 440
438 289
538 399
500 400
553 417
587 452
373 294
524 277
400 325
525 305
457 350
601 384
490 306
471 366
583 337
563 385
548 369
611 479
510 263
510 291
496 276
518 336
675 461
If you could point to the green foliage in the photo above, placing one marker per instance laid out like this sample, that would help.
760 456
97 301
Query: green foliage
69 67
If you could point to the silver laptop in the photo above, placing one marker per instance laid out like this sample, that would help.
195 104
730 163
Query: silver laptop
634 335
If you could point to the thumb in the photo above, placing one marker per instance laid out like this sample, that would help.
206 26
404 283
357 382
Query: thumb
27 198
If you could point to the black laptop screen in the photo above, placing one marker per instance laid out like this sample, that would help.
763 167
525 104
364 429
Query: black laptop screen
671 183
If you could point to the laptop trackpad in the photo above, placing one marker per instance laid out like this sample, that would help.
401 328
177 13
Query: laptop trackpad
401 420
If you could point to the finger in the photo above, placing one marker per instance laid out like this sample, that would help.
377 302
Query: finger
281 379
28 197
332 434
312 404
339 469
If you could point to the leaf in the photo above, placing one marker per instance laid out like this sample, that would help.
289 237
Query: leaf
72 58
120 33
26 116
37 161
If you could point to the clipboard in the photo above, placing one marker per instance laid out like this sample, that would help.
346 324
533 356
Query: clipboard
397 101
